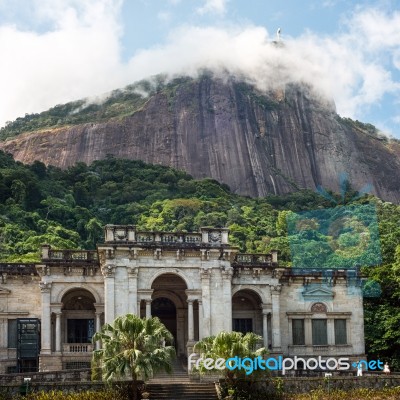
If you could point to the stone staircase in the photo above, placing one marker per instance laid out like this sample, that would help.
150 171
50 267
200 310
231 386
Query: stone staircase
177 386
182 391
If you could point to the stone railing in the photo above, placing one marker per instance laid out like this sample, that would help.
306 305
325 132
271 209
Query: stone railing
16 269
128 234
77 347
69 256
256 260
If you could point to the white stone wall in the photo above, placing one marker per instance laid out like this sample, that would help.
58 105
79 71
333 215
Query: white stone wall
125 278
19 298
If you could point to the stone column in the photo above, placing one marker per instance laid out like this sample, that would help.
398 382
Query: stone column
190 321
45 288
98 328
227 298
308 331
265 327
132 290
331 331
180 332
108 272
148 308
3 333
98 321
276 328
205 275
58 331
200 319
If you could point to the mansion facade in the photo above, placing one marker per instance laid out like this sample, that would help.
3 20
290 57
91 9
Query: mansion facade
196 283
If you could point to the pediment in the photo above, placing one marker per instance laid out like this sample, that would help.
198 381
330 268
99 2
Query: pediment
318 293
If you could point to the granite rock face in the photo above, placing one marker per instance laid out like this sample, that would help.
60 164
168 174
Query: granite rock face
256 143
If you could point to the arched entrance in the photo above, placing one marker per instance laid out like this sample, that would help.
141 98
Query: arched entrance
246 312
165 309
78 316
169 303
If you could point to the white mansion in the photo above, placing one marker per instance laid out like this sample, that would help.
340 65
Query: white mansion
196 283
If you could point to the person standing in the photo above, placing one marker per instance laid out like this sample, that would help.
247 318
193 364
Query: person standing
386 369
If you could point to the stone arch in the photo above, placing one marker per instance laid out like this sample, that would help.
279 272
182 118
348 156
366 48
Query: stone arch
68 289
247 311
251 288
173 271
169 295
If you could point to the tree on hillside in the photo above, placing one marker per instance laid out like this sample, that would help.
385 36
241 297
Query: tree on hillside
133 348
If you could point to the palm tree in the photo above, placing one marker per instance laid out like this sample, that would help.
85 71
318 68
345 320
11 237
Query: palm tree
132 347
228 345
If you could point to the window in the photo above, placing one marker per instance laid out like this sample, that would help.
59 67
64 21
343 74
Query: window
319 332
76 365
298 331
12 334
243 325
80 330
340 331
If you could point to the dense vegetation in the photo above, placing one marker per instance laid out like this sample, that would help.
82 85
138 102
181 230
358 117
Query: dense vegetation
358 394
68 209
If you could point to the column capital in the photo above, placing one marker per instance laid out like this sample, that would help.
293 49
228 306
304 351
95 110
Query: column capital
99 307
227 273
108 271
133 272
276 289
266 309
205 273
45 287
144 294
193 294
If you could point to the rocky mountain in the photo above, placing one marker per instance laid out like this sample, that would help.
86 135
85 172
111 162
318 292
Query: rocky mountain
257 143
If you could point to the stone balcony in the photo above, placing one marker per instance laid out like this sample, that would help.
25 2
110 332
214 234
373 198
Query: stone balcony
77 348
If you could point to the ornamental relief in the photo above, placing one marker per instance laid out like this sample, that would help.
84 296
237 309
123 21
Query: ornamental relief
318 308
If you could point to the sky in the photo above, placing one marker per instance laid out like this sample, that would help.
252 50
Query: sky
55 51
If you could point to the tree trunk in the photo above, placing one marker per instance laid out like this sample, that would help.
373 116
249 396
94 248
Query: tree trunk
133 392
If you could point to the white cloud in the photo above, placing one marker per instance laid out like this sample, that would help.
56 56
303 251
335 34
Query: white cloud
213 6
80 56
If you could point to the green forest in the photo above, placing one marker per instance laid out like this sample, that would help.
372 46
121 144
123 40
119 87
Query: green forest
69 208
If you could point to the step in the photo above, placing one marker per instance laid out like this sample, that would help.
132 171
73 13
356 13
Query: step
186 391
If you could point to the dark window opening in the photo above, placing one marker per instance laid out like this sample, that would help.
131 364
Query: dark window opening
80 330
298 331
243 325
12 334
340 331
319 332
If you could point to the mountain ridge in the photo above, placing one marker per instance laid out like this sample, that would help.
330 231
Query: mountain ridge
257 143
